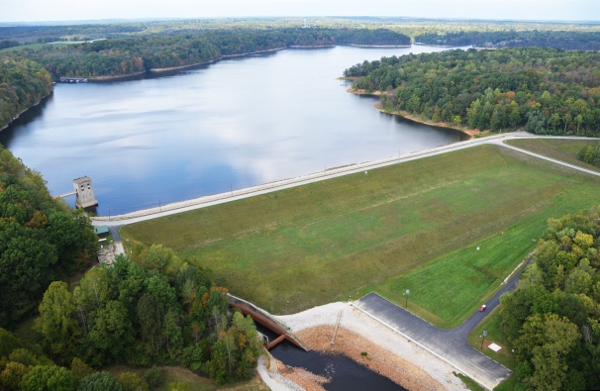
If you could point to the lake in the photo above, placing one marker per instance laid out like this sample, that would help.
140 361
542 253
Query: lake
229 125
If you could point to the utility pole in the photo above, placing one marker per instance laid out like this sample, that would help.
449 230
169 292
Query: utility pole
159 205
109 212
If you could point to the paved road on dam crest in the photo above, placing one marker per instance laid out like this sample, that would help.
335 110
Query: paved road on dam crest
207 201
449 345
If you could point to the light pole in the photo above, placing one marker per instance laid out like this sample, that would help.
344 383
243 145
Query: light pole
108 212
483 339
407 292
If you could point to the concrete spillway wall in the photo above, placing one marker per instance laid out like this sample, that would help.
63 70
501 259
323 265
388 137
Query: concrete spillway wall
266 319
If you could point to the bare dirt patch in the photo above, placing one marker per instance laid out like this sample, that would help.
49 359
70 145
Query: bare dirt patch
308 380
379 360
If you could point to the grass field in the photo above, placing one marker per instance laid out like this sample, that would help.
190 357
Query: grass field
491 324
561 149
469 383
414 225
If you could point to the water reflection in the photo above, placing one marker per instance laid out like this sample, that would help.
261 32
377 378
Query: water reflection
345 373
232 124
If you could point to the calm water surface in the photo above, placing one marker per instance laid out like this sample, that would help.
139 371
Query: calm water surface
229 125
345 374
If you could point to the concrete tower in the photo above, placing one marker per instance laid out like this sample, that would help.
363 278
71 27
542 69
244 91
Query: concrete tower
84 192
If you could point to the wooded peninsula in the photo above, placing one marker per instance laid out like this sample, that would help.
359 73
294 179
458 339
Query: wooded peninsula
546 91
26 74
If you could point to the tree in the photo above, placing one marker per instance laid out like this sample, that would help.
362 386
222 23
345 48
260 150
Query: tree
12 375
216 367
57 320
578 281
99 381
129 381
8 343
25 357
91 293
548 340
25 260
151 312
155 377
159 257
179 386
174 337
79 370
111 330
47 378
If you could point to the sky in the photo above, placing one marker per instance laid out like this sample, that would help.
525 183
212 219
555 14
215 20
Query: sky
65 10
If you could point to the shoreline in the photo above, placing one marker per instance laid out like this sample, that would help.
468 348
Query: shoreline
226 56
471 133
387 353
378 360
23 111
357 45
222 57
115 77
168 69
310 46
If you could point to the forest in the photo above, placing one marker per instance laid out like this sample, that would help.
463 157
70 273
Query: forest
26 74
159 310
40 240
568 40
154 310
553 317
23 83
545 91
130 55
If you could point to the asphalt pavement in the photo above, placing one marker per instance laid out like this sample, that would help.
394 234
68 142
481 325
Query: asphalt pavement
449 344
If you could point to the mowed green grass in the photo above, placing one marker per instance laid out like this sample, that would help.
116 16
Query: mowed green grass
561 149
412 225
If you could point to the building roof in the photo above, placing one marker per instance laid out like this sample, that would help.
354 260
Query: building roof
82 180
102 229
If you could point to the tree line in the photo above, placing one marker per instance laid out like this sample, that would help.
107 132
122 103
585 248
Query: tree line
40 239
590 155
26 75
547 91
158 311
130 55
553 317
569 40
23 83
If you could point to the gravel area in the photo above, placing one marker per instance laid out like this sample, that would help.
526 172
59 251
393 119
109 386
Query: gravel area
415 368
268 371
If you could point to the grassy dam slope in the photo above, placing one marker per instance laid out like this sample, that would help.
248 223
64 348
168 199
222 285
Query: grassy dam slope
414 225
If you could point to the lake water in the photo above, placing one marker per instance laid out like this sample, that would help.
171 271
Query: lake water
229 125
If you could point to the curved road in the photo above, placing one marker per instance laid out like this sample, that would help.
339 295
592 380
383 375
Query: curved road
450 345
207 201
